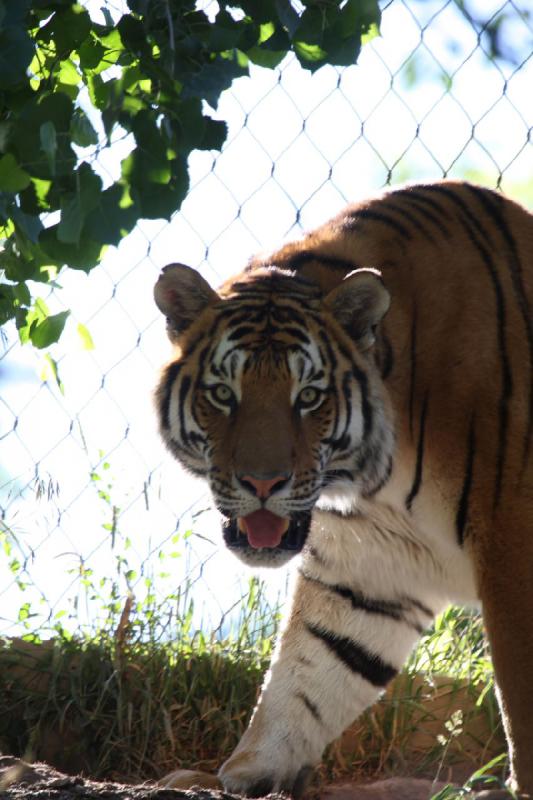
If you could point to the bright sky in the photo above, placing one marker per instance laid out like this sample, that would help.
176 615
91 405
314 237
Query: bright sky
299 148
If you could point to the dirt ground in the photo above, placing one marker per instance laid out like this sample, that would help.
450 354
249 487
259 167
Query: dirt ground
40 782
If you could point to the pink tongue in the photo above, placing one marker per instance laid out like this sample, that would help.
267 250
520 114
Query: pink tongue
263 528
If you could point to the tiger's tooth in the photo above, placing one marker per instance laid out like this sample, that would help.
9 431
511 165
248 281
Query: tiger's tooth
240 525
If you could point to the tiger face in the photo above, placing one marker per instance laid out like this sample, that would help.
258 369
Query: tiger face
275 399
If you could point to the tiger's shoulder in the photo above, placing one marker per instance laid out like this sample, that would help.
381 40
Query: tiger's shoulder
413 224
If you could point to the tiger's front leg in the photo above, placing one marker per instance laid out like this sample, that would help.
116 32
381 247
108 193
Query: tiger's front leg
343 642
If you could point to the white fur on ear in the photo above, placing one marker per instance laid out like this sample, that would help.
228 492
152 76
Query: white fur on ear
181 294
359 303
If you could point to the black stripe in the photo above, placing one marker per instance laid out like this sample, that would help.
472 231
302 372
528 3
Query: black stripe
301 259
340 441
493 205
384 355
366 406
417 480
462 508
413 367
313 552
483 245
169 376
375 216
331 359
420 606
182 453
421 202
334 475
296 333
354 656
184 391
370 605
420 194
346 393
275 282
400 209
311 707
241 331
373 490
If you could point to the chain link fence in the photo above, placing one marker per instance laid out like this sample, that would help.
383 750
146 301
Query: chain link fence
92 509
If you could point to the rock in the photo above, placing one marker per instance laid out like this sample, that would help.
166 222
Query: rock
389 789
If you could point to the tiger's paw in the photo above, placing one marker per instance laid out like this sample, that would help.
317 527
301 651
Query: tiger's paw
250 775
189 778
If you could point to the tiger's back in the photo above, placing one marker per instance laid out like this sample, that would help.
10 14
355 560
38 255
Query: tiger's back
441 513
456 347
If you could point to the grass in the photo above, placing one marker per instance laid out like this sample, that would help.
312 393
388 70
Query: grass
117 705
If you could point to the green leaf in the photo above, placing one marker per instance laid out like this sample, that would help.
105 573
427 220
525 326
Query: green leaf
16 53
13 13
212 78
287 15
12 177
68 27
160 202
142 167
21 294
265 57
91 53
225 34
33 316
27 224
85 337
67 73
372 32
50 371
41 135
310 53
85 255
82 132
69 228
5 132
48 331
7 303
41 189
98 91
48 138
114 216
215 134
75 207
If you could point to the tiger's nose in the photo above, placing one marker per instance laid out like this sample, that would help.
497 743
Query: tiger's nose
263 487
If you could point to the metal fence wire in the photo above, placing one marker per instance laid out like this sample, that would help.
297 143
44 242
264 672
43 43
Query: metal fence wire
92 508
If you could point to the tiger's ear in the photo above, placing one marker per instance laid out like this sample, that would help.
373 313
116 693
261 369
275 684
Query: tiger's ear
359 303
181 294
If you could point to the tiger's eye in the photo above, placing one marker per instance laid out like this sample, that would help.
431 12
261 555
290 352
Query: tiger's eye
310 397
222 394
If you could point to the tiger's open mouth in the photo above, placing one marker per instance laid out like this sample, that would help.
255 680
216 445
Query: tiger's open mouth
264 538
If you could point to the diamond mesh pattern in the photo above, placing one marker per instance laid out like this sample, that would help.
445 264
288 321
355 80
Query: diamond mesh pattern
91 506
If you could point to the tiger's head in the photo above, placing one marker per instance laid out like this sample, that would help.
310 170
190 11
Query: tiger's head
274 397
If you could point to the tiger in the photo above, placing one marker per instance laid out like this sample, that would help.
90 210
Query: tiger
362 399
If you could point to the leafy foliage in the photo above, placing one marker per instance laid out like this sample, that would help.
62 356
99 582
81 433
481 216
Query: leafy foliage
70 86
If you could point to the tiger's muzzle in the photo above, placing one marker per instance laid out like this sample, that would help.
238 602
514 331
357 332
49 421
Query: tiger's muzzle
242 537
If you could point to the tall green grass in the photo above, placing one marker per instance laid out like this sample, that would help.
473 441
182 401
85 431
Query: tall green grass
124 704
